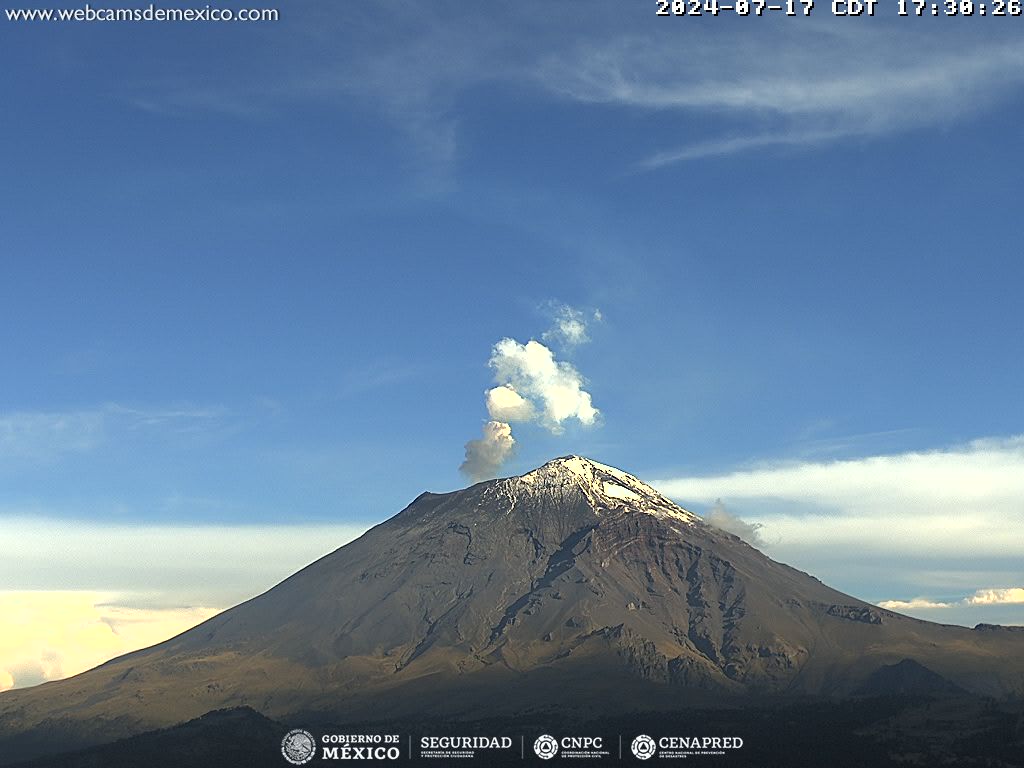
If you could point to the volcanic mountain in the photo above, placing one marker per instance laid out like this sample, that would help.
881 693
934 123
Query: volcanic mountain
574 586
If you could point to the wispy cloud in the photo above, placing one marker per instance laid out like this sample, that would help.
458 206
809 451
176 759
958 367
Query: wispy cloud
46 435
742 143
810 84
413 71
813 86
375 375
570 326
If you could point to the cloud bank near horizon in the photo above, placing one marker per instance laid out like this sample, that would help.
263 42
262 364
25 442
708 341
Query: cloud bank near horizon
120 587
50 635
940 501
939 522
997 596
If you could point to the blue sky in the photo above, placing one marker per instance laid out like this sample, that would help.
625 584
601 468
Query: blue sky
252 275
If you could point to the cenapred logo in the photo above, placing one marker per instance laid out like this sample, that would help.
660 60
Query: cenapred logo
643 747
298 746
546 747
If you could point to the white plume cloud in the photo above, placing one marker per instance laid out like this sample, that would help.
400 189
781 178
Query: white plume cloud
532 386
996 596
505 404
555 386
485 456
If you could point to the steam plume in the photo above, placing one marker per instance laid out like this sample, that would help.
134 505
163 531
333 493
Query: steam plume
722 518
532 386
485 456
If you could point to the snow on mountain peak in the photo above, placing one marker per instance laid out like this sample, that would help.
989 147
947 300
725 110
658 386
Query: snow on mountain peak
606 487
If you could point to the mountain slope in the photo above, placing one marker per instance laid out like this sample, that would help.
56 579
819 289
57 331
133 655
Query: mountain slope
575 585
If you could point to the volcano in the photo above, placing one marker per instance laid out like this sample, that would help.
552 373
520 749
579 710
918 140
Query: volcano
573 587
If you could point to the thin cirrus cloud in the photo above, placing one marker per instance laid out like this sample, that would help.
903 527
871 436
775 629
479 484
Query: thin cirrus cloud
30 435
725 90
822 85
47 435
817 84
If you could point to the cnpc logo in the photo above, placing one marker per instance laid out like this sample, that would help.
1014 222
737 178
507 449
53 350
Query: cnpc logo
547 746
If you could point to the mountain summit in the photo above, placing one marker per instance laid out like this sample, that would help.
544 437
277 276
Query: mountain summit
605 489
574 586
